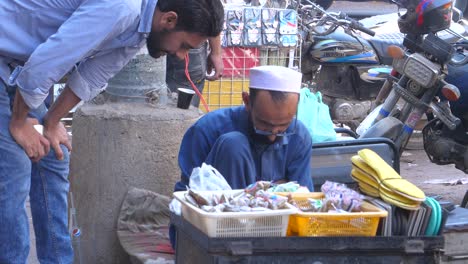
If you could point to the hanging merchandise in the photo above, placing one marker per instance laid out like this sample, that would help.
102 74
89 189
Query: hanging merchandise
269 27
223 34
256 27
252 27
288 27
235 26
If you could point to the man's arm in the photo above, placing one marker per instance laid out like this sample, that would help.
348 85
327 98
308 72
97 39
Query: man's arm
96 71
298 169
51 60
53 128
215 60
73 42
193 151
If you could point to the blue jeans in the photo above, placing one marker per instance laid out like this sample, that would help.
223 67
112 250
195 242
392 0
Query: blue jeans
46 183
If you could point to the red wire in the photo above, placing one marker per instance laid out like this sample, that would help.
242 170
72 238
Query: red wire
187 60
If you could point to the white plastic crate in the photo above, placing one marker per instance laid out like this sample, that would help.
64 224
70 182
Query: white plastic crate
273 223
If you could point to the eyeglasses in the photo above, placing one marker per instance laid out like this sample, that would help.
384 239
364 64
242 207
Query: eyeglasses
279 134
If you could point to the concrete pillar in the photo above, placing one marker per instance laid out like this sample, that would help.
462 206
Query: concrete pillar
118 144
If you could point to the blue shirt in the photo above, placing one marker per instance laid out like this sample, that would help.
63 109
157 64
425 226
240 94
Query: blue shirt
287 159
92 39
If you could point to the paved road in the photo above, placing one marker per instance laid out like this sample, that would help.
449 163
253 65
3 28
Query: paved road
417 168
363 9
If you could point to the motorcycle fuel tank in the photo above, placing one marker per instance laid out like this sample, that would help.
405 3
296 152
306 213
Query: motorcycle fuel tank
338 47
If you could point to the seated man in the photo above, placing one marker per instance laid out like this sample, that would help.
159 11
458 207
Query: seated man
261 140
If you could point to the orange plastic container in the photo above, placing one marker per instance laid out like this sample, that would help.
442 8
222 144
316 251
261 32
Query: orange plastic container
363 223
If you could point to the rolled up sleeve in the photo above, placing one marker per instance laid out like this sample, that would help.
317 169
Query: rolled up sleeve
91 76
79 37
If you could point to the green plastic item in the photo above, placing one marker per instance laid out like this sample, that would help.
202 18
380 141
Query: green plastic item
436 217
315 115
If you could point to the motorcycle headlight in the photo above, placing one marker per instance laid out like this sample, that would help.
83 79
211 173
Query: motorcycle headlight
421 70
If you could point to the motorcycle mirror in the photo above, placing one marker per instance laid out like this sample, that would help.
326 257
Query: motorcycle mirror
395 52
451 92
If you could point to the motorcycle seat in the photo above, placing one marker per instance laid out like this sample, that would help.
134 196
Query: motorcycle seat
387 33
382 41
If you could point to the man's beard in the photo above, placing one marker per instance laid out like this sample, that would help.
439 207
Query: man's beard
153 43
257 138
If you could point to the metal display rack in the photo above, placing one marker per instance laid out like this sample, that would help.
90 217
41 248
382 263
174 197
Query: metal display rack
227 91
239 55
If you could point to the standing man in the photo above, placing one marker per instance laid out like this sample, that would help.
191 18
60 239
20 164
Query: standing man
201 62
40 42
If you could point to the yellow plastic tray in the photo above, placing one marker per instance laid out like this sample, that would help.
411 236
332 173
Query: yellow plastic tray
363 223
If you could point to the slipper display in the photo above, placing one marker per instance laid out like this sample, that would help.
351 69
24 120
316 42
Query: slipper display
365 182
378 179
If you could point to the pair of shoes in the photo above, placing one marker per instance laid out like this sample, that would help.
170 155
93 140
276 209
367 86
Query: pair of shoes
378 179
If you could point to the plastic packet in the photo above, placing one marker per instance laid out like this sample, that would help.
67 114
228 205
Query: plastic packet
207 178
252 27
341 196
288 27
235 26
269 27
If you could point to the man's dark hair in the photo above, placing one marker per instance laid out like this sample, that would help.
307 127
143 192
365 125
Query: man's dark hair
205 17
277 96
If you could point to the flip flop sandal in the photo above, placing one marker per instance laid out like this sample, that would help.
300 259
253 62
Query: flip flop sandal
433 218
439 216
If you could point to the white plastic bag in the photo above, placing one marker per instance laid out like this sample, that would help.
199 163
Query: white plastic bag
204 178
207 178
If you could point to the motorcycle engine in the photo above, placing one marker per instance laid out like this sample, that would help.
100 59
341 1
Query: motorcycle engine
443 146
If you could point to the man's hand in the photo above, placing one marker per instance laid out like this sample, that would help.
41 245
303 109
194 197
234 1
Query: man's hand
34 144
215 63
54 130
215 60
57 134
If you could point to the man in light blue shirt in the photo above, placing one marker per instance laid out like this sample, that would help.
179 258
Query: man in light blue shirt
91 40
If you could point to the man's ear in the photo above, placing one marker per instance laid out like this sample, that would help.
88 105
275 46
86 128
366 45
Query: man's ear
169 20
246 100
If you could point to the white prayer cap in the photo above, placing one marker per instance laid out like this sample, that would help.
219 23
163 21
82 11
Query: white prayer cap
275 78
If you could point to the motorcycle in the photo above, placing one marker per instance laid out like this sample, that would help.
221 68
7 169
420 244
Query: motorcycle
429 76
347 67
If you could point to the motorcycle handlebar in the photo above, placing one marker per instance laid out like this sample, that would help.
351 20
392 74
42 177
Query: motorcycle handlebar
356 25
338 19
461 62
462 59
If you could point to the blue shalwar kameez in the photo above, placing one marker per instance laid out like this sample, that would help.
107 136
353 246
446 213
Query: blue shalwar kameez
224 139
